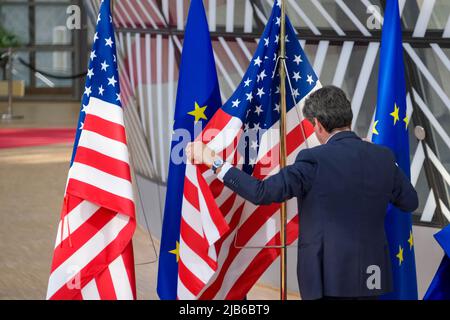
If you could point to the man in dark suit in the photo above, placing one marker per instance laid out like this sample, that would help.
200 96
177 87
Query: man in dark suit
343 187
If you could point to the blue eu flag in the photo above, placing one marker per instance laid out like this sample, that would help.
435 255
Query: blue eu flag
440 286
198 98
391 129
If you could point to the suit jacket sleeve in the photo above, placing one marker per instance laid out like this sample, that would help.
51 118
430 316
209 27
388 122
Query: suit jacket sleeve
292 181
404 196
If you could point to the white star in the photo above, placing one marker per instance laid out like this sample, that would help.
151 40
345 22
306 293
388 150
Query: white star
277 107
296 76
112 81
235 103
260 92
261 76
279 3
277 38
298 59
257 62
278 89
87 91
295 93
81 125
274 57
258 109
100 90
93 55
98 18
256 126
110 19
266 42
114 57
286 39
249 96
247 82
84 108
254 145
310 79
90 73
96 36
109 42
104 65
278 21
118 97
252 161
246 127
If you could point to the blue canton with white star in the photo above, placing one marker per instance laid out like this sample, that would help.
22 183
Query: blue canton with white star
102 79
256 101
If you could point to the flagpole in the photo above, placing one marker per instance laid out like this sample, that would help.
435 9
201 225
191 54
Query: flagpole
283 217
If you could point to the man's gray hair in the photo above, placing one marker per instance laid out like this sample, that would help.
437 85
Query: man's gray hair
330 106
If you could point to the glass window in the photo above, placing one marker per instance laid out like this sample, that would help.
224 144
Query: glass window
57 62
14 18
51 25
40 24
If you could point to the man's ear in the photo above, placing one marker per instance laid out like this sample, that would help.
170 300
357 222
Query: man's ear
321 127
318 125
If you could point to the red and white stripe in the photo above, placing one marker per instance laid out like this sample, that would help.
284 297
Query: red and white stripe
93 254
215 267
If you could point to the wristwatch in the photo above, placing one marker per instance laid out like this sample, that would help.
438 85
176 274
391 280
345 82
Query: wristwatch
216 165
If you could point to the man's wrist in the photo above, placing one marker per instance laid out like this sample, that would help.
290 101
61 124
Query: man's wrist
223 170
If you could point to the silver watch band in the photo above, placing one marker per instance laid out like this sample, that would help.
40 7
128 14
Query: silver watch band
218 163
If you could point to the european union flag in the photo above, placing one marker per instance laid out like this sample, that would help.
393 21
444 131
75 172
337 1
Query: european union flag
440 286
198 98
391 129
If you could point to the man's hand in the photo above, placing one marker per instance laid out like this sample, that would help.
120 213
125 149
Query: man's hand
198 153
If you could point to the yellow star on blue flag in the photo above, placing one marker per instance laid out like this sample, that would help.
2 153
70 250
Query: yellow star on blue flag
176 251
198 113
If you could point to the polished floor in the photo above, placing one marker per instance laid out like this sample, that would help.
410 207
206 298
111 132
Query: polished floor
32 181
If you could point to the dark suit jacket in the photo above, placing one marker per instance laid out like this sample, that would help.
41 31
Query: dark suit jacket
343 190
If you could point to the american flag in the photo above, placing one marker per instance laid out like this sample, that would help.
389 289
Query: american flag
218 227
93 254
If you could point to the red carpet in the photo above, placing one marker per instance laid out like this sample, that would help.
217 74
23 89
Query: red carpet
27 137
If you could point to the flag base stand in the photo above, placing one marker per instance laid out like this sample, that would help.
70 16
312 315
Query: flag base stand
283 246
9 117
